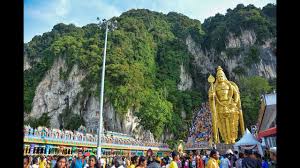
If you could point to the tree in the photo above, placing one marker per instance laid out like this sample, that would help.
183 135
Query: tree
155 113
252 57
251 89
269 10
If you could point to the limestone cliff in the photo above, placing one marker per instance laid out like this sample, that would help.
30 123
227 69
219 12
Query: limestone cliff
53 95
206 62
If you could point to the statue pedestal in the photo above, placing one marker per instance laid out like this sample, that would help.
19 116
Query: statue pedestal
222 148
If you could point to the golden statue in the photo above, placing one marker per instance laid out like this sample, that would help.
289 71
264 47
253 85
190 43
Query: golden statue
180 148
225 105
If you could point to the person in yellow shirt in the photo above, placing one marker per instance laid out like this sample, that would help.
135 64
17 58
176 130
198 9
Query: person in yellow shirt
212 162
127 161
134 162
43 162
175 157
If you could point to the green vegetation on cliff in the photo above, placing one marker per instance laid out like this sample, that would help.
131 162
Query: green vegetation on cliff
144 56
218 27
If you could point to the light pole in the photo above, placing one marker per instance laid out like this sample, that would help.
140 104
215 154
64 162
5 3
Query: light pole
107 23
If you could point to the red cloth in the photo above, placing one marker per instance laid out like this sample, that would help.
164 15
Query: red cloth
270 131
199 162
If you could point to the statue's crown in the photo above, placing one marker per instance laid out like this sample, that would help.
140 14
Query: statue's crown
219 70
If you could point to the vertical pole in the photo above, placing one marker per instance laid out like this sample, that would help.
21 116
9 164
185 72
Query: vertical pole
101 96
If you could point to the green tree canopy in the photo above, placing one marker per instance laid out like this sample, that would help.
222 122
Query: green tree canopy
251 89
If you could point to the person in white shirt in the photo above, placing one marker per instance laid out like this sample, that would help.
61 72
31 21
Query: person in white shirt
35 163
118 163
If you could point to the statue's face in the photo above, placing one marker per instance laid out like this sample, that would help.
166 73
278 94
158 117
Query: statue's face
221 77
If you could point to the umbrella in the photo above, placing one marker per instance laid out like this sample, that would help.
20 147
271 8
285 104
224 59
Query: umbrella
89 154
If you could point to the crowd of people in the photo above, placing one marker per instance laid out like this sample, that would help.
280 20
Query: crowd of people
79 135
247 159
202 122
195 159
201 129
81 161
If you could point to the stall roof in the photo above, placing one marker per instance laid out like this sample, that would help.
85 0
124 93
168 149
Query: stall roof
247 139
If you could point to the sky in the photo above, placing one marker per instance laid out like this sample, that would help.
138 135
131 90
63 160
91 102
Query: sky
41 15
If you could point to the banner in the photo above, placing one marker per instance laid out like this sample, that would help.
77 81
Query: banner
248 147
256 147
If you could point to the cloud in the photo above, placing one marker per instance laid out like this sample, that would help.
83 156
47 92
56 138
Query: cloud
41 16
62 7
37 14
201 9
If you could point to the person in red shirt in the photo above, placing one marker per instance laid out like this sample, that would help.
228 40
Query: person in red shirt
199 160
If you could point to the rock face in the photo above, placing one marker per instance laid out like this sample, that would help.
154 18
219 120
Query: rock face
206 62
53 95
112 121
201 61
26 63
247 38
186 81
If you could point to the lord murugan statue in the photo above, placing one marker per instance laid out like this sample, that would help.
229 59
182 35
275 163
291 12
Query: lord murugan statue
225 106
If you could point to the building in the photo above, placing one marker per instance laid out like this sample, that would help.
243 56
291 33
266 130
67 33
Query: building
51 141
267 120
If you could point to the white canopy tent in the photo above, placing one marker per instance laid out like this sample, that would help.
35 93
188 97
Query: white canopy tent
248 141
